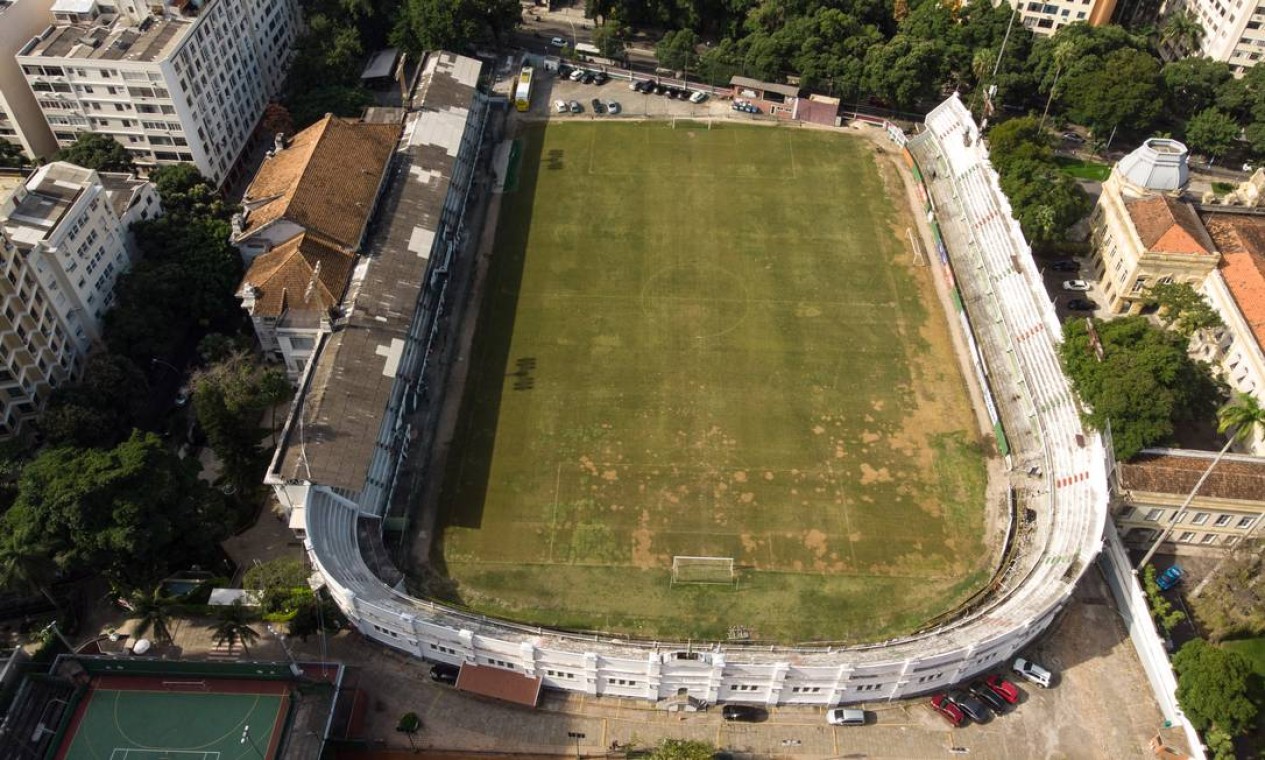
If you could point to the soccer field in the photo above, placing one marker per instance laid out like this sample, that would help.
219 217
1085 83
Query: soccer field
711 342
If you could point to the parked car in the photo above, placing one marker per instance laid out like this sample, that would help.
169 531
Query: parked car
576 107
577 75
983 693
1072 137
589 77
949 711
1170 578
972 707
613 107
1003 688
598 106
442 672
698 97
660 89
744 713
183 395
635 85
1080 286
1081 304
558 42
600 78
1033 672
843 716
560 106
1066 265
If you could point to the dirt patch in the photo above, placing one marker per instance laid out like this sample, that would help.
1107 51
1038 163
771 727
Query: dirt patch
870 475
815 542
740 476
610 475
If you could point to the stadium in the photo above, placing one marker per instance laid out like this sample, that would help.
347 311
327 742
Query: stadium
344 468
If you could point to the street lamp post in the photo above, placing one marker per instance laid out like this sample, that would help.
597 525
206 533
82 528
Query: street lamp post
168 365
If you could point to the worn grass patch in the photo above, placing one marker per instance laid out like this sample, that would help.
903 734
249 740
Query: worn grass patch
1080 169
711 342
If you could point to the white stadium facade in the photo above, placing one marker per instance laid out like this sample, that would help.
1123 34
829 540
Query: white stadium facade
345 449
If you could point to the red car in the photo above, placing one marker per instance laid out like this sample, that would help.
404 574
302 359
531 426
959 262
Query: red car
1003 688
951 712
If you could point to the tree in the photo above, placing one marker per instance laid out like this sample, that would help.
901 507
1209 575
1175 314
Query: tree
310 106
683 749
1211 131
1182 32
1240 419
409 725
453 24
281 584
1064 53
276 120
153 609
904 71
97 151
1161 609
1016 139
1230 601
1145 382
1191 84
129 514
1119 90
609 39
1182 308
1213 687
233 626
100 409
26 566
11 155
676 50
229 398
1045 200
186 193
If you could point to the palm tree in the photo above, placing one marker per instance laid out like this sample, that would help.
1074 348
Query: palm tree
26 566
1182 32
1240 419
1063 54
233 627
154 612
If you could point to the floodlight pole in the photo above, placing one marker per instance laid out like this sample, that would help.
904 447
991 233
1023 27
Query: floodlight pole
247 739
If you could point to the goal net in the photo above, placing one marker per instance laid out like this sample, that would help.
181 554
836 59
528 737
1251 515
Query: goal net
703 570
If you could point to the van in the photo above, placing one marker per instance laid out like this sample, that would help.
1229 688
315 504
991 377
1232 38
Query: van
1033 672
842 716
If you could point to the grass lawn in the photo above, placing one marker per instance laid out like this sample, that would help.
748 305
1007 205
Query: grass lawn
1253 649
1080 169
711 342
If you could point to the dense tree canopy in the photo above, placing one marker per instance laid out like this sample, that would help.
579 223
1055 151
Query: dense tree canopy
230 397
186 193
1145 383
132 513
11 155
98 410
97 151
1211 132
1212 686
1182 308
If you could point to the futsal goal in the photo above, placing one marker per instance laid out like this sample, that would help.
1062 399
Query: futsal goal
703 570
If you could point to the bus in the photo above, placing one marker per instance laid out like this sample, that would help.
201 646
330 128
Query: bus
522 93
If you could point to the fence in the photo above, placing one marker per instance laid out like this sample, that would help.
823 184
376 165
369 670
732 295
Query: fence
1118 571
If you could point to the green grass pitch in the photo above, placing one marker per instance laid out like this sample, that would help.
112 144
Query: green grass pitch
711 342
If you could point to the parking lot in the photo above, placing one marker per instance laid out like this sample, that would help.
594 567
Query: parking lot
550 88
1064 279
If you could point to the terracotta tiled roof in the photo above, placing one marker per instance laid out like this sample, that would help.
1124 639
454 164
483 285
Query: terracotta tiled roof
1236 477
1241 239
325 180
1168 226
283 276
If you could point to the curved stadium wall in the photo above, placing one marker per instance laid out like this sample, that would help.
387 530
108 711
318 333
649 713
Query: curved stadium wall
1012 321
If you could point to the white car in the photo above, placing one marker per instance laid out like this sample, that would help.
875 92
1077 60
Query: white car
1080 286
560 106
577 75
1072 137
612 107
558 42
1033 672
698 97
842 716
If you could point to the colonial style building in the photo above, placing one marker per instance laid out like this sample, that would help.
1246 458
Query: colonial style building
185 80
306 215
63 242
1149 490
21 122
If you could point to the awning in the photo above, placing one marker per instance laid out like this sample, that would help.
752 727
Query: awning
499 683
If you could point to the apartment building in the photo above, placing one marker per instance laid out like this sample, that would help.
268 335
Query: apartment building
63 244
21 122
305 218
1232 30
181 80
1148 492
1046 18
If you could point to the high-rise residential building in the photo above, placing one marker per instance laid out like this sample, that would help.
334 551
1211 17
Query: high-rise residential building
1048 16
63 244
181 80
21 122
1232 32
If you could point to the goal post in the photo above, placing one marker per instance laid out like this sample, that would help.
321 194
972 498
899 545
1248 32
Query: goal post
706 570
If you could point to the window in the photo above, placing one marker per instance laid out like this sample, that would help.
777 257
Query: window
442 648
1208 538
1223 520
743 687
1200 518
805 689
869 687
1246 522
1154 514
1186 536
622 682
